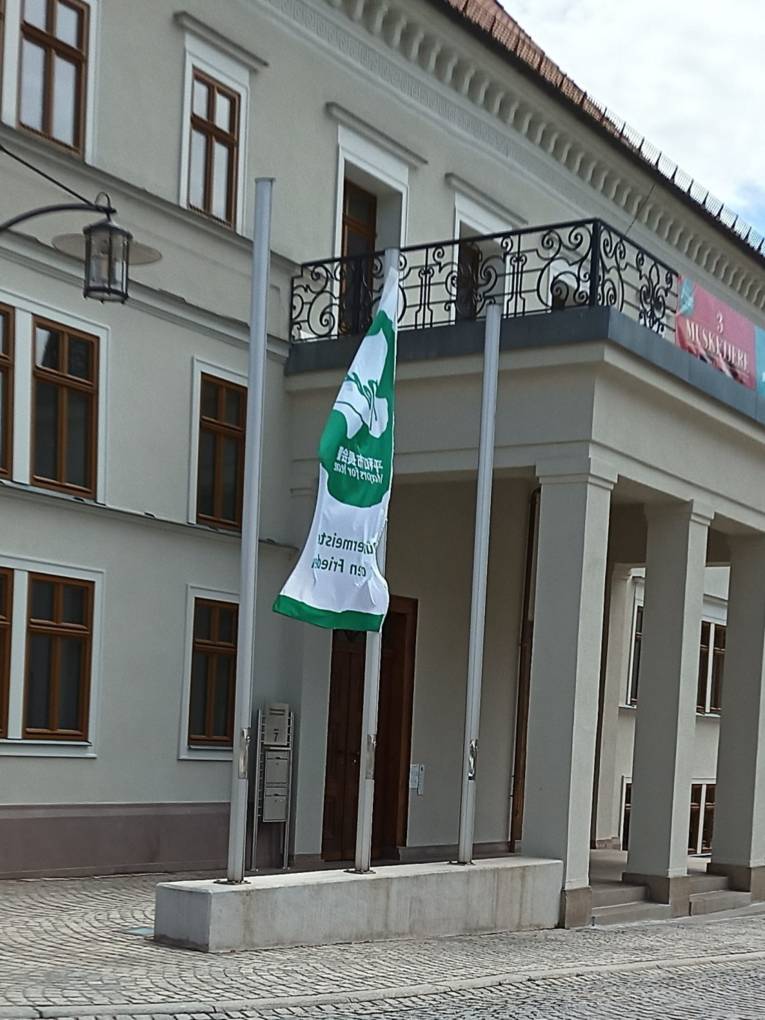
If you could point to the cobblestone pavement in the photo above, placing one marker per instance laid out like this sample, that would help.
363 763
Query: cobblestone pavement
79 947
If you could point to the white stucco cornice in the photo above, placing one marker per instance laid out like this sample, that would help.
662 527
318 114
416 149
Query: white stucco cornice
160 304
509 99
202 30
374 134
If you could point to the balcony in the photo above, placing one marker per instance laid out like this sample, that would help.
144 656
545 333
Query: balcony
557 285
529 272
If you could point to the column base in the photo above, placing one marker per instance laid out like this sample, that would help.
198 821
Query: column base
674 891
742 877
576 908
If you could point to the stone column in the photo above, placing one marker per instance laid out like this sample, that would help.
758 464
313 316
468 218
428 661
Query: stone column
666 710
738 839
615 680
565 671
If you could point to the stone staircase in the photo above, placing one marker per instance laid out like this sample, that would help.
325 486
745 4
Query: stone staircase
621 903
710 893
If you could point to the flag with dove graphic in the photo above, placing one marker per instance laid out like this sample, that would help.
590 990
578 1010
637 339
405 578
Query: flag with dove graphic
337 582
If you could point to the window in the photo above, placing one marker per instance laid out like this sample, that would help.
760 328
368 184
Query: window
468 269
711 662
216 95
59 634
50 623
53 66
220 468
64 408
626 816
702 818
214 149
482 268
359 233
370 212
6 598
213 670
6 389
635 665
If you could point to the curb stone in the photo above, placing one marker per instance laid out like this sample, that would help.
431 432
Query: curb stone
143 1009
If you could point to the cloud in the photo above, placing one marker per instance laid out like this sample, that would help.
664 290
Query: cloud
686 73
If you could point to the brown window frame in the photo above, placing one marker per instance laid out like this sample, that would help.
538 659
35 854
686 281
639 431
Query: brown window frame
207 127
213 648
467 280
356 274
220 430
6 623
57 629
67 383
6 369
46 40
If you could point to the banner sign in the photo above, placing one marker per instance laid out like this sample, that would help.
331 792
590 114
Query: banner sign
337 582
719 335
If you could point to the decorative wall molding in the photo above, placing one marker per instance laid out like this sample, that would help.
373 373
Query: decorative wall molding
375 135
536 121
161 304
221 42
500 210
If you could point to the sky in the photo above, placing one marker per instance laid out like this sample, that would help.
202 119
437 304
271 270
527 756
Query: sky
688 74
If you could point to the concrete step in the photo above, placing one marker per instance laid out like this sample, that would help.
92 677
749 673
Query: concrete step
702 883
718 899
610 893
627 913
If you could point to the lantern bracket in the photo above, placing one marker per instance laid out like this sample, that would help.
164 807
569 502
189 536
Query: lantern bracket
83 206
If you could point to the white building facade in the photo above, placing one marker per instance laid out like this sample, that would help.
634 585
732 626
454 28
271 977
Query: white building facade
627 471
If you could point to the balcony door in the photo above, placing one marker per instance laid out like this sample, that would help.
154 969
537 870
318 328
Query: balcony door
359 235
394 731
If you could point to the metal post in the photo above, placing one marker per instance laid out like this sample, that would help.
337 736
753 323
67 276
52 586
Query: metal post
364 816
480 568
365 813
253 455
594 295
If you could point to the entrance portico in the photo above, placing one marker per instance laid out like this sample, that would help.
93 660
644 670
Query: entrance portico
662 771
565 667
603 419
738 846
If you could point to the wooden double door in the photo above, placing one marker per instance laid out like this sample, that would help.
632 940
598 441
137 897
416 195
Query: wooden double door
394 735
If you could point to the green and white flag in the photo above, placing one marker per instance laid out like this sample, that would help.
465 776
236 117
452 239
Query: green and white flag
337 582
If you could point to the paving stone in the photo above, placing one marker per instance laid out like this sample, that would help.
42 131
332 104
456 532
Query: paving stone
66 951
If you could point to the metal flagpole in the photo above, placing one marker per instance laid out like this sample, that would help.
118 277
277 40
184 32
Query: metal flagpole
478 598
364 816
369 711
253 455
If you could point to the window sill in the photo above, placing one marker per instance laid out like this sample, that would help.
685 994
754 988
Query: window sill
205 754
631 706
26 748
707 715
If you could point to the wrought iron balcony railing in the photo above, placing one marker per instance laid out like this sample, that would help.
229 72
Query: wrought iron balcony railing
532 271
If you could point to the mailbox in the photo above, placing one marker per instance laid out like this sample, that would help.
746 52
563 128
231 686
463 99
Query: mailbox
274 805
276 771
273 773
